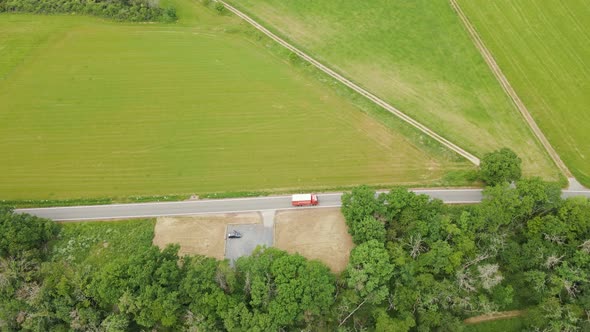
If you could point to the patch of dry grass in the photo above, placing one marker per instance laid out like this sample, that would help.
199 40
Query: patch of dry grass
200 235
319 234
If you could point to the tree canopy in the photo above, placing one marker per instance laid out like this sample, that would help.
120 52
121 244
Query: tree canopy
500 166
22 233
153 289
522 247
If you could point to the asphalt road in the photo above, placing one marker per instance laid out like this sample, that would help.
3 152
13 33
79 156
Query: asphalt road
123 211
145 210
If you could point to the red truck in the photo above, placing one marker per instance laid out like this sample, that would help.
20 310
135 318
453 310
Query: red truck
304 200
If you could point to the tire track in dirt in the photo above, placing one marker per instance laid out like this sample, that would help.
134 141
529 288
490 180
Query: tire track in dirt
489 59
355 87
494 316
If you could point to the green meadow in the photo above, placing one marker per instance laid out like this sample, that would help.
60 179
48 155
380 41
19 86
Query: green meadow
100 242
93 108
417 56
543 47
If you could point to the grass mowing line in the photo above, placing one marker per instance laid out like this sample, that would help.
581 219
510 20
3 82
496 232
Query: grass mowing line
355 87
489 59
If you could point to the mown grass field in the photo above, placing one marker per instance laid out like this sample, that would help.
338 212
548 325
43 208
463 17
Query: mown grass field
417 56
543 47
91 108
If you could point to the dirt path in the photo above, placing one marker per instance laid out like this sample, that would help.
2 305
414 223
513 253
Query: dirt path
355 87
494 316
487 55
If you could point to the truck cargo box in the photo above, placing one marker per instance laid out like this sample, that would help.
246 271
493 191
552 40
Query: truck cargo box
304 200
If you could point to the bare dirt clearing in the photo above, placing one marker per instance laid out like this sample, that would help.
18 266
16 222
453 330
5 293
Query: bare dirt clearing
200 235
494 316
316 234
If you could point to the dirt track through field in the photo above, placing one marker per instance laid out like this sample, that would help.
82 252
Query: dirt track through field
355 87
489 59
494 316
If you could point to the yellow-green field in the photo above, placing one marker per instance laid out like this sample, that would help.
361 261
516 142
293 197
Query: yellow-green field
91 108
543 47
416 55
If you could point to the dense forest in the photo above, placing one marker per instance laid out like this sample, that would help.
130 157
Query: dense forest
122 10
418 265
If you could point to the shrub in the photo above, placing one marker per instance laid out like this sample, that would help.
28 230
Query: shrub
220 8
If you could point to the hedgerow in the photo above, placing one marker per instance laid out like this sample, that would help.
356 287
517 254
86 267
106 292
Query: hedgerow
121 10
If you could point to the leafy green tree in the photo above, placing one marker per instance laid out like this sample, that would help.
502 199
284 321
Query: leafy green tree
551 315
537 197
367 277
360 204
575 213
440 259
21 233
555 268
508 207
404 211
366 230
369 271
19 289
386 323
115 323
145 287
203 289
275 290
500 207
396 201
500 166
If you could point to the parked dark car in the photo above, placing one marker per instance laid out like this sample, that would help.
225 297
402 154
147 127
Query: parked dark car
234 235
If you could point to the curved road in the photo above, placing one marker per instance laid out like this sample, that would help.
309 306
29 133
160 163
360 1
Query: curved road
149 210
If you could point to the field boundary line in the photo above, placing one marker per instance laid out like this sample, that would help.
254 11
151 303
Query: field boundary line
508 89
354 86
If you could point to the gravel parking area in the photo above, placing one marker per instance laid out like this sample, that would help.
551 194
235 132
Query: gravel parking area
200 235
253 235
